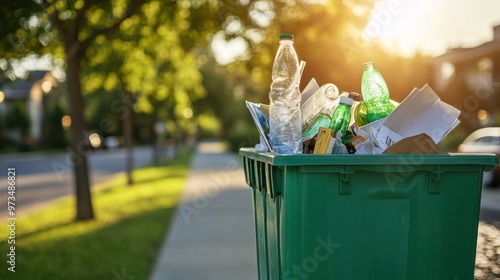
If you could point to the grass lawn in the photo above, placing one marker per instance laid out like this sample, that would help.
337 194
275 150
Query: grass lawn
120 244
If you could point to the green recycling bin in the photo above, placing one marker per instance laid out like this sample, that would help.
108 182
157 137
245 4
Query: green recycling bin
350 217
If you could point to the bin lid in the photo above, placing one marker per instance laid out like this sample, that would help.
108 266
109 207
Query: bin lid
488 160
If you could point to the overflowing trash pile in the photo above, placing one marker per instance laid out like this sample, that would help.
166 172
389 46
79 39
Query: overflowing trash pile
324 120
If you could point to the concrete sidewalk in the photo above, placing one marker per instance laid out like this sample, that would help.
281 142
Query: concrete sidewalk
212 233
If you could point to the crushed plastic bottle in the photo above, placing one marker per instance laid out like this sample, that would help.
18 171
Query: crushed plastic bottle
324 100
284 109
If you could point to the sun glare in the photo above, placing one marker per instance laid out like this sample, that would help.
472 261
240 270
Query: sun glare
431 27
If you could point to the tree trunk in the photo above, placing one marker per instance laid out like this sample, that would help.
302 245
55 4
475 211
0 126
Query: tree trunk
127 131
78 145
156 136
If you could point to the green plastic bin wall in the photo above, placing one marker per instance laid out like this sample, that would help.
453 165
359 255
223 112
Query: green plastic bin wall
352 217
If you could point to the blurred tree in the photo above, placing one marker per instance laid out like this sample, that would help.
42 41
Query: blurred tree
66 29
98 113
78 30
54 134
146 50
146 64
227 87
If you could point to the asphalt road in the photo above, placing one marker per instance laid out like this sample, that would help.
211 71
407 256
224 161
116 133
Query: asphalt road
42 178
490 206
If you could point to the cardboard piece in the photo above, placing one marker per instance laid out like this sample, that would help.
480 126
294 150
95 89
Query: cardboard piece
418 144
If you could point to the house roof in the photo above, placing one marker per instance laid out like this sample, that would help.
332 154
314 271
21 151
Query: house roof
466 54
20 89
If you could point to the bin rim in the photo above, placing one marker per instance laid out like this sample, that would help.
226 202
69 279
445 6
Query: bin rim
485 159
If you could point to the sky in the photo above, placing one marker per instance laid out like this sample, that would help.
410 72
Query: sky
433 26
430 26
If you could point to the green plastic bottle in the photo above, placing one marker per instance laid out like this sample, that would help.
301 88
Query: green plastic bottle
375 93
321 120
342 116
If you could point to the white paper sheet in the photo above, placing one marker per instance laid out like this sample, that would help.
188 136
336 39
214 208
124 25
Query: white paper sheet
421 112
309 90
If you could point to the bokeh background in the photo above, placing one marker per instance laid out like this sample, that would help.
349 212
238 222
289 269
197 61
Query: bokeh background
78 77
186 67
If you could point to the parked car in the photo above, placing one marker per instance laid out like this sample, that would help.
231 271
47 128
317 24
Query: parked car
484 140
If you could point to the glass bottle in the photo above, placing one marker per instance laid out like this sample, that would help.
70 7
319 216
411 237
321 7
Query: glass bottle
375 93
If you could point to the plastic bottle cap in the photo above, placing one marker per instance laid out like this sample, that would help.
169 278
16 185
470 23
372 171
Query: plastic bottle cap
286 36
346 100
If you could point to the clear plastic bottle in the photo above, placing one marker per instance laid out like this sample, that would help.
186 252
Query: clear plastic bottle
342 116
324 100
285 125
375 93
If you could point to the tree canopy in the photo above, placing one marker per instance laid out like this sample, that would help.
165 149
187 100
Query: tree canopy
156 53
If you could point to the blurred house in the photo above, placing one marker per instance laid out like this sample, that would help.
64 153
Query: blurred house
31 91
469 79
